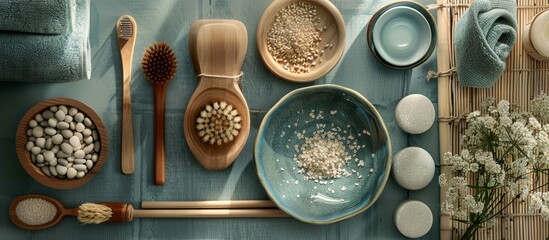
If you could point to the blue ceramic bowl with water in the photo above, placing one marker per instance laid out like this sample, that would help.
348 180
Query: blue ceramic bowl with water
402 35
328 200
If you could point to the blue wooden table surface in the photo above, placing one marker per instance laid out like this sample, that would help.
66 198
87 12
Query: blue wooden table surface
169 21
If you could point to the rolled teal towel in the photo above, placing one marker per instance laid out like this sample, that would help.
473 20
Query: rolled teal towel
48 58
35 16
483 39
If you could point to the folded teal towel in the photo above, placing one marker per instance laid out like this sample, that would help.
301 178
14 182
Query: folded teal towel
35 16
483 39
48 58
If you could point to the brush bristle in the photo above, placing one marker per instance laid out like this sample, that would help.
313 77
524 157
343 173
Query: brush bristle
126 28
159 63
218 123
93 213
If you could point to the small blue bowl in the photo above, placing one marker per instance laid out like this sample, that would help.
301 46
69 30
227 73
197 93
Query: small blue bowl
402 35
329 200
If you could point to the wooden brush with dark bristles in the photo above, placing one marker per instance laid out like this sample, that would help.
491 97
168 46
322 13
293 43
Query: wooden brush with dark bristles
159 66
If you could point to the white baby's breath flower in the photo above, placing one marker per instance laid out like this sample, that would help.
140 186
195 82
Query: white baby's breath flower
442 181
503 108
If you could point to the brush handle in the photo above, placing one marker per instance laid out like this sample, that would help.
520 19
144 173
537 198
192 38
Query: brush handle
126 53
229 204
209 213
159 147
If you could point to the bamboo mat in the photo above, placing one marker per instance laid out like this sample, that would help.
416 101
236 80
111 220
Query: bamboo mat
523 79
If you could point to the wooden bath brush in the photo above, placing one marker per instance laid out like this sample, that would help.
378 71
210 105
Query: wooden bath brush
159 66
217 118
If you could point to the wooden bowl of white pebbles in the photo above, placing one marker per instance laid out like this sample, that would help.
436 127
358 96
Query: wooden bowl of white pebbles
301 40
62 143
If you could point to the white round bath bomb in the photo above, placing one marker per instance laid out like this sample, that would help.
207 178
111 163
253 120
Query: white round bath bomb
413 168
413 218
415 114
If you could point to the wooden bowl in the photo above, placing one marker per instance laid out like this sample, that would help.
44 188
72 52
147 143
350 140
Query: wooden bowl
334 34
24 155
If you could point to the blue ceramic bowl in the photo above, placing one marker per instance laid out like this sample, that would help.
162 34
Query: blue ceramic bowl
402 35
331 200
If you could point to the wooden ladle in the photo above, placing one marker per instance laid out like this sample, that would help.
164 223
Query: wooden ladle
217 49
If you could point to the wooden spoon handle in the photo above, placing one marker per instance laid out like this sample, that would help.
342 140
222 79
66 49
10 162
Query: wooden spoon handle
159 148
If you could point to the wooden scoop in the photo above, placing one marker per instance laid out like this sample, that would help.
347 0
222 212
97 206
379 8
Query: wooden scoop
217 49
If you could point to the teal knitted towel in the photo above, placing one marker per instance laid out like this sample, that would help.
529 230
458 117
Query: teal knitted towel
35 16
483 38
48 58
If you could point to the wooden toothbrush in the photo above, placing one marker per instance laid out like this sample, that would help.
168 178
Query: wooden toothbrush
126 29
159 66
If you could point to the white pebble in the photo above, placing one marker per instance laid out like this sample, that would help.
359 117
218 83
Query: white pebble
60 115
40 142
40 158
63 125
61 170
79 135
33 158
89 164
88 157
57 139
29 145
73 111
66 148
46 171
47 114
72 126
80 174
68 119
38 131
63 108
55 149
43 124
71 159
87 132
52 122
94 157
38 118
71 173
97 147
413 168
62 161
79 167
89 148
74 141
53 170
50 131
67 133
53 108
79 154
53 162
35 150
33 123
413 218
79 161
61 154
87 122
415 114
79 117
48 155
95 135
49 143
88 140
80 127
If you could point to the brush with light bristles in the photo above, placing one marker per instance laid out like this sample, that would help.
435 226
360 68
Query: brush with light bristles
45 212
126 29
218 123
217 118
159 66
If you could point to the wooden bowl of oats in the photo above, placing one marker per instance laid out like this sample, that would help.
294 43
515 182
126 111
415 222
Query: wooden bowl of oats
301 40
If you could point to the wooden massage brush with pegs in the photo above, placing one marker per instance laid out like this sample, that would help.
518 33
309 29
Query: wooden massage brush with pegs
217 118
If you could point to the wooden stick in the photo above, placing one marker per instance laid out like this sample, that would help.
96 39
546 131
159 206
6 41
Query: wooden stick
229 204
208 213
